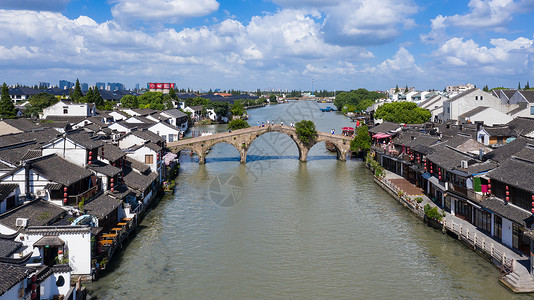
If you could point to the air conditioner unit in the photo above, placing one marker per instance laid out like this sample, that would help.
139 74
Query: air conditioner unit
21 222
464 164
41 193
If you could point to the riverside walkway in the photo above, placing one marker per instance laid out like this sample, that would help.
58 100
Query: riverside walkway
512 265
241 139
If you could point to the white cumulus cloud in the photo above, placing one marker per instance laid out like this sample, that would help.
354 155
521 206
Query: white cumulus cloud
164 11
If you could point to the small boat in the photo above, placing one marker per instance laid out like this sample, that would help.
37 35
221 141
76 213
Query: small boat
330 147
327 109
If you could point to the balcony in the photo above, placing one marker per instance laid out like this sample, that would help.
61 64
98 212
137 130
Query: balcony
75 199
458 189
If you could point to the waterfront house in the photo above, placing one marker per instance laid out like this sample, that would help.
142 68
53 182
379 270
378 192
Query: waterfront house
169 132
494 136
79 147
176 118
196 111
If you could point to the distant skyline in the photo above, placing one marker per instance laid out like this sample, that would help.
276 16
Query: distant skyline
269 44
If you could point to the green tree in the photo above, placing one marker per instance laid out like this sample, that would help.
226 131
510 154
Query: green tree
172 94
272 99
361 98
129 101
402 112
89 96
221 109
519 85
7 108
98 100
38 102
485 88
362 140
237 124
397 89
306 132
527 86
77 93
238 109
406 89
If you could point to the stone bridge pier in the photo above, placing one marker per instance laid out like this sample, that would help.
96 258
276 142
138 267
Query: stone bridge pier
243 138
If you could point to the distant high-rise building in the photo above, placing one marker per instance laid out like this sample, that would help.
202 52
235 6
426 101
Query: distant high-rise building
44 85
137 86
101 85
65 85
113 86
85 87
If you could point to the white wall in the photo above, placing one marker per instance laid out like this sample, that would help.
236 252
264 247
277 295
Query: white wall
49 287
78 109
129 141
77 243
68 150
165 131
507 232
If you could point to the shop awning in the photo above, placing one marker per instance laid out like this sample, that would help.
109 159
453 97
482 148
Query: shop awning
436 183
381 135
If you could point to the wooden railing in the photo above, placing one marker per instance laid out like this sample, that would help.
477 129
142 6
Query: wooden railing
458 189
505 264
75 199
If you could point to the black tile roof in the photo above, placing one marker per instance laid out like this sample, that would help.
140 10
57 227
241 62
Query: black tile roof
139 166
148 136
102 206
138 181
384 127
57 169
84 139
499 130
522 125
63 119
6 189
510 212
112 152
103 168
38 212
528 95
508 93
21 124
506 151
12 275
522 106
448 158
175 113
8 247
480 167
515 172
39 136
144 111
15 154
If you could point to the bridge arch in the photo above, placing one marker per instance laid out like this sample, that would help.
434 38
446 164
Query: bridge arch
340 146
302 149
209 144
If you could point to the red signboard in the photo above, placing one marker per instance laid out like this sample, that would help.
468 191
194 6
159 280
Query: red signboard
152 85
166 86
159 85
172 86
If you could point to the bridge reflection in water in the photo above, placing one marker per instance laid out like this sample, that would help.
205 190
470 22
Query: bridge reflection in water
242 139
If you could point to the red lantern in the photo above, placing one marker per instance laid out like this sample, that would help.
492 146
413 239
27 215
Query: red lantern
112 189
506 187
64 200
507 199
90 157
507 193
65 195
34 295
89 163
65 189
34 285
90 152
112 179
111 185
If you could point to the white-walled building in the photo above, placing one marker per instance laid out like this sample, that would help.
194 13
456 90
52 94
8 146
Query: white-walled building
69 108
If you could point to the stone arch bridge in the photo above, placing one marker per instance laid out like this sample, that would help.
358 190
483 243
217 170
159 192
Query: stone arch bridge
242 139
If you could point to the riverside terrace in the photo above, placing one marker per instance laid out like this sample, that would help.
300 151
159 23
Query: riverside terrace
242 139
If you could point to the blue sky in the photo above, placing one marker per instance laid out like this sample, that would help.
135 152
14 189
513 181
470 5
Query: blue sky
269 44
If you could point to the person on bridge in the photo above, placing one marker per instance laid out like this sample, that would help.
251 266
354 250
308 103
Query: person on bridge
262 124
281 123
268 123
259 124
333 131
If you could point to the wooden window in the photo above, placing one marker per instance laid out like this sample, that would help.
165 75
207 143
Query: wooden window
149 159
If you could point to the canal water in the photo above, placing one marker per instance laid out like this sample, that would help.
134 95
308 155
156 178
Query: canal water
279 228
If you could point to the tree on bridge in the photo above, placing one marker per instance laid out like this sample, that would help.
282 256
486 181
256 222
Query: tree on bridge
362 140
237 124
306 131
